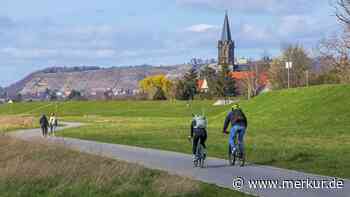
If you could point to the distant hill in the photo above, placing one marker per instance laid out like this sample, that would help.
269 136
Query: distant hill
70 69
90 79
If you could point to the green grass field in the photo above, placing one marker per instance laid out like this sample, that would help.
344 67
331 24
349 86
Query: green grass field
306 129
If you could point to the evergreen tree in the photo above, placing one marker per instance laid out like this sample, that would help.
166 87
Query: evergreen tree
180 90
211 76
225 84
190 83
191 75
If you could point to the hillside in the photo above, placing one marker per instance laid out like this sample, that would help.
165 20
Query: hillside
316 107
89 79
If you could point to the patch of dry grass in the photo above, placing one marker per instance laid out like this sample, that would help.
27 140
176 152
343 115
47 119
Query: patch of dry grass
8 123
56 171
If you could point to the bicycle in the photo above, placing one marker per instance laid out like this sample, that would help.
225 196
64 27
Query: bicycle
200 156
235 154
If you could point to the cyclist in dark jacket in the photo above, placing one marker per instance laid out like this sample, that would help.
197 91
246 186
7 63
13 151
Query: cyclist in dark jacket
239 125
44 123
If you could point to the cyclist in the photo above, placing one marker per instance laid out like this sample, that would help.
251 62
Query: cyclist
198 132
239 125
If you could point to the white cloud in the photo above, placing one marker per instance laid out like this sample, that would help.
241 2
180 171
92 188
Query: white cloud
200 28
259 6
42 53
292 24
253 32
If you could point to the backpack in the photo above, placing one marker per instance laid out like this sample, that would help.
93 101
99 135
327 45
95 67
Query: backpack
200 122
237 116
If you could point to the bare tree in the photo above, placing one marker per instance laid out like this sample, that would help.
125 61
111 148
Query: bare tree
336 51
343 15
301 64
250 81
343 11
277 74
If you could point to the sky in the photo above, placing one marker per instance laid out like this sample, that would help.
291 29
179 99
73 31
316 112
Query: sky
37 34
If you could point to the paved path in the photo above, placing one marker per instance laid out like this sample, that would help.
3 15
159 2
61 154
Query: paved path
217 172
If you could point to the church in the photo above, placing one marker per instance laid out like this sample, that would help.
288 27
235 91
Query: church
226 50
239 68
226 45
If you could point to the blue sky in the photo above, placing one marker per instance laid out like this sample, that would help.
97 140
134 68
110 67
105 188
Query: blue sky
41 33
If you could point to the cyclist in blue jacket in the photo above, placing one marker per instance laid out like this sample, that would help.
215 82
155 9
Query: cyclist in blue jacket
239 125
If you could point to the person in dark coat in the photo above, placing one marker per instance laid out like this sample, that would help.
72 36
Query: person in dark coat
44 124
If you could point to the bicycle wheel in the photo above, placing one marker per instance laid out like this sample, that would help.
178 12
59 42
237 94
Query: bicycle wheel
242 160
202 163
231 156
202 156
195 163
198 159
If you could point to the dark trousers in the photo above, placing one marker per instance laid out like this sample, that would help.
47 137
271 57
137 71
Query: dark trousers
52 128
44 130
196 138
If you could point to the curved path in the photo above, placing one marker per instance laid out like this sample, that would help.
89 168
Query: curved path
217 172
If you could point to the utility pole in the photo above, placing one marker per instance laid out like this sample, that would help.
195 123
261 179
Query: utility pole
307 78
289 65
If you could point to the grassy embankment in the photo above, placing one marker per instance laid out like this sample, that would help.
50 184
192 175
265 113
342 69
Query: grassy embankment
38 170
305 129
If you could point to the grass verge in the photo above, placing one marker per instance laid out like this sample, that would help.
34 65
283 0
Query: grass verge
12 122
39 170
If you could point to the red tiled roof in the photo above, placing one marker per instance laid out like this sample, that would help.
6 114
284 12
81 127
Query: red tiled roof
200 83
263 77
242 75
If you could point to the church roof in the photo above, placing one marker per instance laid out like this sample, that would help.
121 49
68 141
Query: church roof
226 31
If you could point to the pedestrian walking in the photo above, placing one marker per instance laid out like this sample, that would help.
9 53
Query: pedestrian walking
53 124
44 123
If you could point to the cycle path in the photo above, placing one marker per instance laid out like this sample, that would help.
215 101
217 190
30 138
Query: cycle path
218 171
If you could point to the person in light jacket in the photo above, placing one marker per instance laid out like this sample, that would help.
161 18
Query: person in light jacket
53 124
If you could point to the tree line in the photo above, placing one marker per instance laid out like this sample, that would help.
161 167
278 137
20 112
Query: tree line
220 84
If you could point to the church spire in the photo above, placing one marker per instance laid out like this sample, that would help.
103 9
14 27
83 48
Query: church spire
226 45
226 31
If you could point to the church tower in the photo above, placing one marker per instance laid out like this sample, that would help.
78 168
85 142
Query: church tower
226 45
